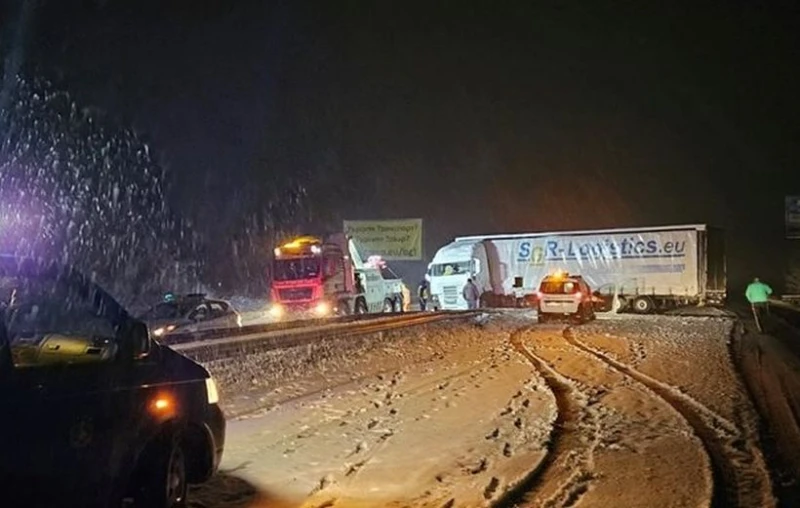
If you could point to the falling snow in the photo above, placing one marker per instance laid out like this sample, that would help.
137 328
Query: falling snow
78 188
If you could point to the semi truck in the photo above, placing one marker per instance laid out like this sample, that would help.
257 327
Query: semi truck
328 276
629 269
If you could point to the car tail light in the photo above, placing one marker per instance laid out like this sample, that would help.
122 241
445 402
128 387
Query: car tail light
578 295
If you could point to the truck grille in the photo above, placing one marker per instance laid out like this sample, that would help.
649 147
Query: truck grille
450 294
295 294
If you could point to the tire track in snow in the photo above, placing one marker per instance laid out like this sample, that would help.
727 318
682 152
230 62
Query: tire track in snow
565 440
734 483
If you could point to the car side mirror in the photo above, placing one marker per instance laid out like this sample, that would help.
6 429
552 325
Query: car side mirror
139 337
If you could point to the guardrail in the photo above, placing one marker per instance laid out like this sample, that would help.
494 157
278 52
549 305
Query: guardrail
238 345
217 333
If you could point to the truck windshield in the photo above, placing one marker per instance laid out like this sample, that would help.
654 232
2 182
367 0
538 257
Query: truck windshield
450 268
295 269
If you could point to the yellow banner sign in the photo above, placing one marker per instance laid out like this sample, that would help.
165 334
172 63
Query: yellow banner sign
393 240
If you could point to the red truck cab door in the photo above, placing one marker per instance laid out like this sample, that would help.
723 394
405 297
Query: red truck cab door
337 271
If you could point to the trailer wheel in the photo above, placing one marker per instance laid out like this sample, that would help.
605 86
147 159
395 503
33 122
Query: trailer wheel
643 305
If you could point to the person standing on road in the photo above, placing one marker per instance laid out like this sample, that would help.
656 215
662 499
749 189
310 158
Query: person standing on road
406 298
758 294
471 294
423 292
359 284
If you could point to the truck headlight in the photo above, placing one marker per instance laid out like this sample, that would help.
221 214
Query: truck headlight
276 311
322 309
211 390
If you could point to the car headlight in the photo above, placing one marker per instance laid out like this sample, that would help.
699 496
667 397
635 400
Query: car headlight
276 311
161 330
322 309
211 390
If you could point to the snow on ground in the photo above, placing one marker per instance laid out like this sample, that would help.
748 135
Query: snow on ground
630 448
684 366
624 411
444 413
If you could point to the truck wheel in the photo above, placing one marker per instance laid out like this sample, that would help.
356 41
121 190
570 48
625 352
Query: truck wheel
343 308
643 305
388 306
361 306
163 480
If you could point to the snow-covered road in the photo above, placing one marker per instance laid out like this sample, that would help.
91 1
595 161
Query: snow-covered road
500 411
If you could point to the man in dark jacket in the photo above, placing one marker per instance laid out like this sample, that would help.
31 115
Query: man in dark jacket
423 292
471 294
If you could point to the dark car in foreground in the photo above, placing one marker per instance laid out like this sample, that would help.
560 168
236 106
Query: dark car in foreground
95 413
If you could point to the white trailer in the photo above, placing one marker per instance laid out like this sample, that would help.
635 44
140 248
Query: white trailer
640 269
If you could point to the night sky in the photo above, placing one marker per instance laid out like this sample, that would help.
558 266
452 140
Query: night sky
527 117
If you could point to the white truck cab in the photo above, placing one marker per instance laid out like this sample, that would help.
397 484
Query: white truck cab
449 270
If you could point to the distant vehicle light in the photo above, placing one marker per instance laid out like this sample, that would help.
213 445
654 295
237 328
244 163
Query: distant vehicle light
161 330
322 309
276 311
277 251
316 249
211 390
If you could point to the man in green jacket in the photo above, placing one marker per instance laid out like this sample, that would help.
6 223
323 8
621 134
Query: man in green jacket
758 295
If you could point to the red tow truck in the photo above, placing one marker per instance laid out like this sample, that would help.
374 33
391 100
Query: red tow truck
324 277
